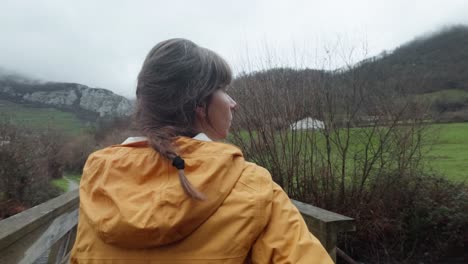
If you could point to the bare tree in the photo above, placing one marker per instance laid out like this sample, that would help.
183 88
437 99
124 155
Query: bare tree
369 150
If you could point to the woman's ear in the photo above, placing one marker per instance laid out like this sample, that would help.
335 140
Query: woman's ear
200 111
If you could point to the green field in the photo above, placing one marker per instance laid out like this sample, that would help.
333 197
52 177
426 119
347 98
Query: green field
41 118
449 154
446 95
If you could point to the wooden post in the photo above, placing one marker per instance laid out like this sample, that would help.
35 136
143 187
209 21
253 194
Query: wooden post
325 225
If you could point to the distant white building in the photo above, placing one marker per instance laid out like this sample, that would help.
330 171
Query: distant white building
4 141
307 123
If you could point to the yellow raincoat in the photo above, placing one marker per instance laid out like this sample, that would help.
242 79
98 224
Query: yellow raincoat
133 210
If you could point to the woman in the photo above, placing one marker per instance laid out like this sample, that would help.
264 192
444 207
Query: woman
176 195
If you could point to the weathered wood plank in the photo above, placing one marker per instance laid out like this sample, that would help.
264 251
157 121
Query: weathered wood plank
325 225
17 226
319 219
66 258
26 236
323 215
61 248
34 244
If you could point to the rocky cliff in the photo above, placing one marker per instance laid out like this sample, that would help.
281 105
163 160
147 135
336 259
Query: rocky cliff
83 100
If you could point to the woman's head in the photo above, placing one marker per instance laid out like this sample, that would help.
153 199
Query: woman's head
176 87
214 118
181 91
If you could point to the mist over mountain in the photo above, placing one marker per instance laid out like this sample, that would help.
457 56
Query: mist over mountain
434 62
431 63
432 67
86 102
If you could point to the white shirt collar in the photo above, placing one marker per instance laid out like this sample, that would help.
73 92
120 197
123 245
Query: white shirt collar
130 140
202 137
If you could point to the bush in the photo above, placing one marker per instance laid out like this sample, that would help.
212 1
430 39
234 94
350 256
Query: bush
456 117
449 104
75 152
29 160
418 219
106 126
116 136
373 172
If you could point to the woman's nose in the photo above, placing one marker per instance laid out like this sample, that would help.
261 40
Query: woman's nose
232 103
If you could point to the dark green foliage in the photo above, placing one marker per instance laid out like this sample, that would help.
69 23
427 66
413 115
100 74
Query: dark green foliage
367 162
420 218
432 63
440 59
28 162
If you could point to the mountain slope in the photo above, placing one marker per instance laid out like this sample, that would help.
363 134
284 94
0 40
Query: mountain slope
42 118
430 63
88 103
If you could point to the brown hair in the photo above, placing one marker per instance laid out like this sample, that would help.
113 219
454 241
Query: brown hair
176 77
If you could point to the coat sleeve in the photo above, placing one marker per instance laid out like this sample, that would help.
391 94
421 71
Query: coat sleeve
286 238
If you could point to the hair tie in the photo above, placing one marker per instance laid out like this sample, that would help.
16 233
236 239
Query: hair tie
178 162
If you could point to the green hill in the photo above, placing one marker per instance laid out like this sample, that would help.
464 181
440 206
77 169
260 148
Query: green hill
432 67
432 62
41 118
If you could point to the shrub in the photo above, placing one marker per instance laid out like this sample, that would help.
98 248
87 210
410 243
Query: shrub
370 171
116 136
75 152
27 167
418 219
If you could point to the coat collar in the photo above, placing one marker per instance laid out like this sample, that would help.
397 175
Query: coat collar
131 140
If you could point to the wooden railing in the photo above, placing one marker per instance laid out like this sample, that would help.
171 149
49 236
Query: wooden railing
48 230
325 225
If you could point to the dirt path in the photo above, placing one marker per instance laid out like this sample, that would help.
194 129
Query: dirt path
72 185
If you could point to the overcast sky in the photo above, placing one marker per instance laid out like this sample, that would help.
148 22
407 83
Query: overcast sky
102 43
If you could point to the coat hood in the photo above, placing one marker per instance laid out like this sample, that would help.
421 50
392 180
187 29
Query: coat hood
131 196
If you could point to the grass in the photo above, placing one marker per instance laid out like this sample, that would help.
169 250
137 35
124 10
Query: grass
42 118
446 95
76 177
449 154
61 184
